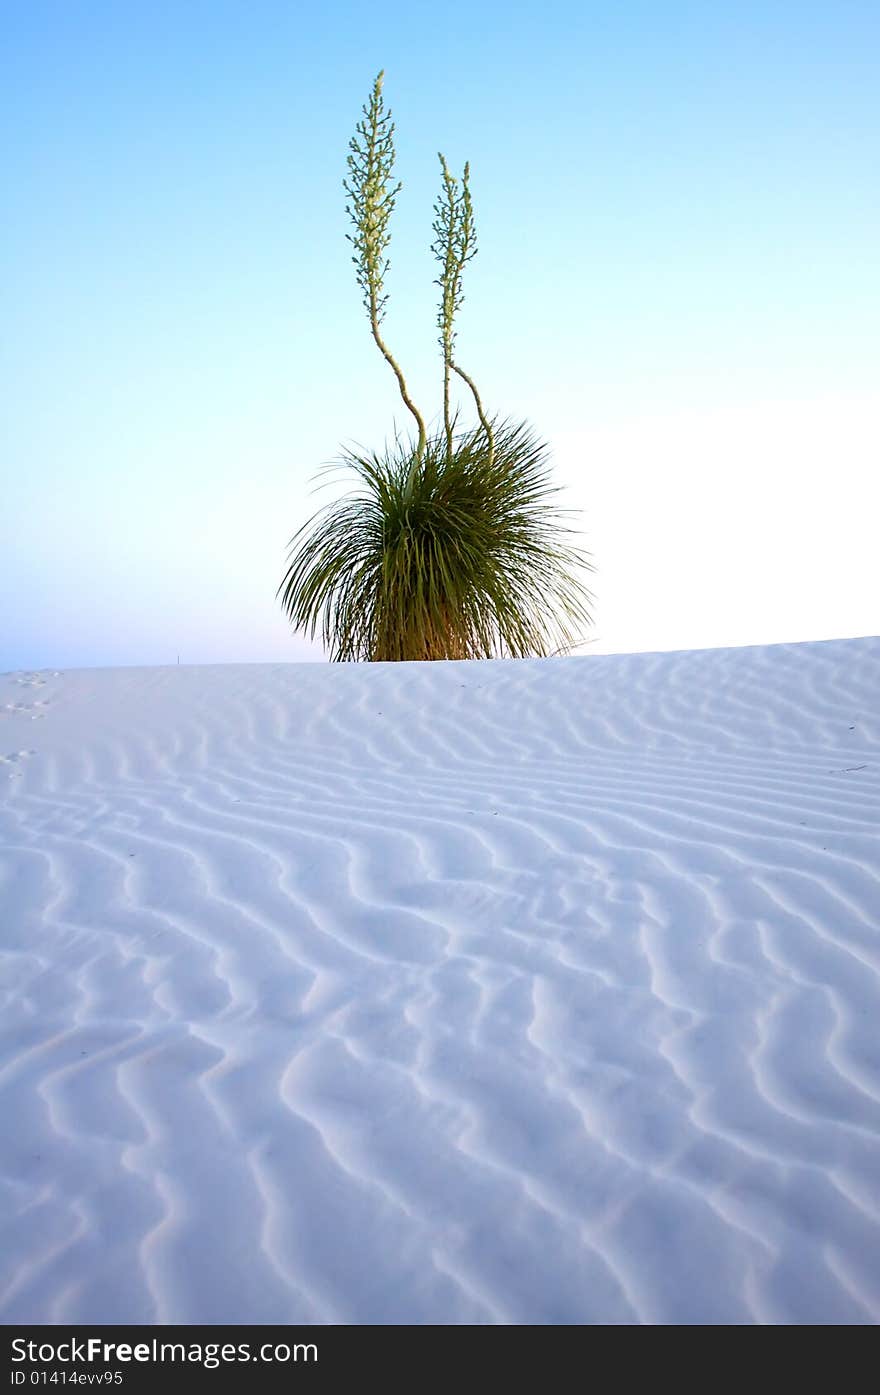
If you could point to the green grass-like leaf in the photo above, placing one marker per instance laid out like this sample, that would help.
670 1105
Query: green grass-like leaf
459 556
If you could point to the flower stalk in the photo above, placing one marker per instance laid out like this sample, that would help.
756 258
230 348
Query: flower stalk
455 246
372 202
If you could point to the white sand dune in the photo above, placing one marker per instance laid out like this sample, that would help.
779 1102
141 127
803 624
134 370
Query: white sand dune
524 992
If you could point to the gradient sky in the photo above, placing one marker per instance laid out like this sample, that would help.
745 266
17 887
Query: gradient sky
677 284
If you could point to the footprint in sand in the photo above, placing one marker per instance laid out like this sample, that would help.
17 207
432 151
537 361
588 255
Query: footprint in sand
14 758
28 679
27 708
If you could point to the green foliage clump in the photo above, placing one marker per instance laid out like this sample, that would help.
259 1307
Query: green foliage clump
466 561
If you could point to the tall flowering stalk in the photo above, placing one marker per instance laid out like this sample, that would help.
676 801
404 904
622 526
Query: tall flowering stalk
456 244
372 202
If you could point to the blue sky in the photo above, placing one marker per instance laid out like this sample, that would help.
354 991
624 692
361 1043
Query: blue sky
677 285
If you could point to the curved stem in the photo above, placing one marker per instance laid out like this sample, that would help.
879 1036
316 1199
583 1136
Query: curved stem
386 352
480 413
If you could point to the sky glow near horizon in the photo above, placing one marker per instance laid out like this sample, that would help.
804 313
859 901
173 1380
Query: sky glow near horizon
677 285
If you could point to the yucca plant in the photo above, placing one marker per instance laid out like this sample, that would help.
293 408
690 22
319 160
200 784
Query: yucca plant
464 563
451 547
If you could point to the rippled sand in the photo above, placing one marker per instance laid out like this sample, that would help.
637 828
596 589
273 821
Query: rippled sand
527 992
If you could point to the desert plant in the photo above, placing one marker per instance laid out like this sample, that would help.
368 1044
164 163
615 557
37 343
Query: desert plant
465 560
451 548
